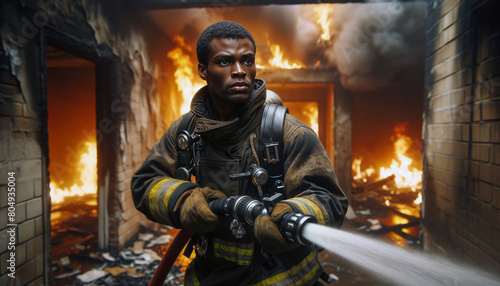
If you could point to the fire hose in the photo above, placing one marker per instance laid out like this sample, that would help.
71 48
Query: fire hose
242 209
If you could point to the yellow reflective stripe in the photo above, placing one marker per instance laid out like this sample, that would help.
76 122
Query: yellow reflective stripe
152 200
240 251
195 279
233 259
191 278
167 197
306 205
309 275
159 207
291 272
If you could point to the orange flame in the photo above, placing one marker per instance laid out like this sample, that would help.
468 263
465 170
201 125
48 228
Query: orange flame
184 76
311 112
361 175
400 166
277 60
323 20
88 177
305 111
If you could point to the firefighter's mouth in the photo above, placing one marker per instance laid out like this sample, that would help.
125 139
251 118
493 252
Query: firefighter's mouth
240 86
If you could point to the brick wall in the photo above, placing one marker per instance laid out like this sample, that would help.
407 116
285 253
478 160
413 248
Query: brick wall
20 153
137 120
461 208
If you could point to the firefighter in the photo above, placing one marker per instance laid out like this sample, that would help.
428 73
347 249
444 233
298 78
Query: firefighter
227 116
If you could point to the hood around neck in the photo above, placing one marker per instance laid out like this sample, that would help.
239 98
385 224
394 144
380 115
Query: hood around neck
245 120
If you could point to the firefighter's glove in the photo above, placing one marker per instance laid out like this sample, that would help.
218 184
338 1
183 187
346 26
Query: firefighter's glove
267 232
195 213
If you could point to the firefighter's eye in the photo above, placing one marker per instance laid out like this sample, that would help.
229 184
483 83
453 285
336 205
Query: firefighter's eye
248 62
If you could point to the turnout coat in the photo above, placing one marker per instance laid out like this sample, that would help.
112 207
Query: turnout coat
311 188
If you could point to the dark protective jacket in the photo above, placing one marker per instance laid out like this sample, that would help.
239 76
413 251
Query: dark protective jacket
311 188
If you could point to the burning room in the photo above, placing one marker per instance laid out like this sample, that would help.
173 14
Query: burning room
404 96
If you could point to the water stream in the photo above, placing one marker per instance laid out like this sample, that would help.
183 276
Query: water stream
398 265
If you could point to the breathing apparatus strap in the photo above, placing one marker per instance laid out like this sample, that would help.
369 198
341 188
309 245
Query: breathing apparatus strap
184 156
271 147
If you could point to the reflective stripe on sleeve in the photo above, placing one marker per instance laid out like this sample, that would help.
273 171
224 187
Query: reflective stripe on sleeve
308 208
159 196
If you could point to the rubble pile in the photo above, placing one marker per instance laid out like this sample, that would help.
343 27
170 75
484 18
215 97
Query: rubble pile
134 265
383 209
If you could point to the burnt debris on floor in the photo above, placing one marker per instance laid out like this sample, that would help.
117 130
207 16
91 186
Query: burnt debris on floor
383 209
134 265
78 261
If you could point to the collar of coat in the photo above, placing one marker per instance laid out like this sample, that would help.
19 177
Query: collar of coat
244 121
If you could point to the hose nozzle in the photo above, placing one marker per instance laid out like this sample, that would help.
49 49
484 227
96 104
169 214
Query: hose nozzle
291 227
242 208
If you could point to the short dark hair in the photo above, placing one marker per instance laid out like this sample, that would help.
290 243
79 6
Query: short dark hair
220 30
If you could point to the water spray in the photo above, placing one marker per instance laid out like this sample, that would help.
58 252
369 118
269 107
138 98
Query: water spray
397 265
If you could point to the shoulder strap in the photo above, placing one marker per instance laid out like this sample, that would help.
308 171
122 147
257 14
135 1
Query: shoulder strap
271 146
183 156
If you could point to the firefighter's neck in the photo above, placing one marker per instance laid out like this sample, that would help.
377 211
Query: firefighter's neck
223 114
223 111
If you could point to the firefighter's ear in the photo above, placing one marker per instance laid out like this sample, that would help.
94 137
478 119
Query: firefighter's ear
202 71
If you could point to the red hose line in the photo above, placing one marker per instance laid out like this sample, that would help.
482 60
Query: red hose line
170 256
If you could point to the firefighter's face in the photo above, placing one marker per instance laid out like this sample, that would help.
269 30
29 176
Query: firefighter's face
230 72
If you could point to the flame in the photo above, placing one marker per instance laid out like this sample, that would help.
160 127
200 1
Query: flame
278 62
418 200
323 21
400 166
311 112
361 175
184 76
87 181
305 111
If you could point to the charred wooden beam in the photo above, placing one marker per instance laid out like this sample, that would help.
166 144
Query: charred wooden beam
377 184
385 228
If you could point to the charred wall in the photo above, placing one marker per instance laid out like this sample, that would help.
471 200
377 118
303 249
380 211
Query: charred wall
462 132
132 107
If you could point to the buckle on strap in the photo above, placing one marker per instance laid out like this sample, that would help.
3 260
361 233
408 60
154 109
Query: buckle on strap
272 152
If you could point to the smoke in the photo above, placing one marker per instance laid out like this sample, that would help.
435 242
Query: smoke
374 43
371 45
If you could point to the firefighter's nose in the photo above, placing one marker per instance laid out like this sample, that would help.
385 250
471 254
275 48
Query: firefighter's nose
238 70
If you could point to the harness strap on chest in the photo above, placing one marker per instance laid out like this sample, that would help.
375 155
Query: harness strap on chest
184 156
271 146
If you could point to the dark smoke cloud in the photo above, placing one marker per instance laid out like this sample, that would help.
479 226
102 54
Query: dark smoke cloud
372 45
